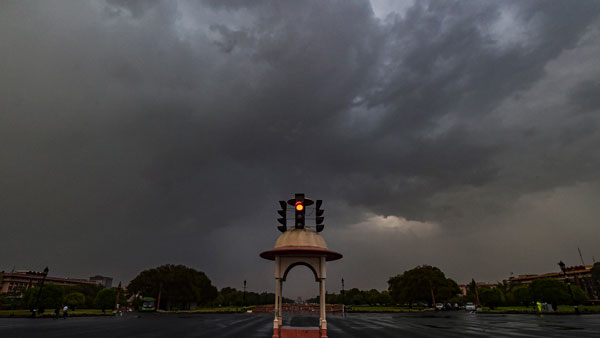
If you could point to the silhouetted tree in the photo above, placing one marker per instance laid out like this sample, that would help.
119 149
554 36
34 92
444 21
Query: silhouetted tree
491 297
417 284
549 290
50 298
520 295
74 300
105 299
177 284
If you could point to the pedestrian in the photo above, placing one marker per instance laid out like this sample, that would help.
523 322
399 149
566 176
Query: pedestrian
65 312
57 312
539 306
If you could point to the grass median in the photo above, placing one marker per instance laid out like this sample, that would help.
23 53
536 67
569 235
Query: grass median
530 309
50 313
375 309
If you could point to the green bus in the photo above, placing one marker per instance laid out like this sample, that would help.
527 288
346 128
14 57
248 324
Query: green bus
148 304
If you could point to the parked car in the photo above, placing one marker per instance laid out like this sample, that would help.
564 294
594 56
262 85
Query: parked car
470 307
439 306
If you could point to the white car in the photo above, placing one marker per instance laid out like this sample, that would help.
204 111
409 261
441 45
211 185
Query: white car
439 306
470 307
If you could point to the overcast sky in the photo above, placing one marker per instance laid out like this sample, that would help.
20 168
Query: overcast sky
460 134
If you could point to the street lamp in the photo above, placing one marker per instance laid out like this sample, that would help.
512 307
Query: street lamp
244 299
563 267
37 300
343 298
117 299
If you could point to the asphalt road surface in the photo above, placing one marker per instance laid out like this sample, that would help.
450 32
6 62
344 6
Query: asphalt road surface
445 324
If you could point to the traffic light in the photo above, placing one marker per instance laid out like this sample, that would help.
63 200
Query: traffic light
319 216
283 226
300 212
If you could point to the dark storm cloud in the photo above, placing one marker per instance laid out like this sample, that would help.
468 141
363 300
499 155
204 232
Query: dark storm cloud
586 96
136 133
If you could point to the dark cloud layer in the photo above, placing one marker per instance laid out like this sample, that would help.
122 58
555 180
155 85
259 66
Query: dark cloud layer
456 133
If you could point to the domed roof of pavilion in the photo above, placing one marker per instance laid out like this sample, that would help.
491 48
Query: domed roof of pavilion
300 242
300 237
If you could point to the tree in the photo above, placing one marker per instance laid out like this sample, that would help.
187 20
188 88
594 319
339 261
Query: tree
549 290
177 284
50 298
106 299
419 283
520 295
596 277
491 297
579 295
384 298
75 300
372 297
89 291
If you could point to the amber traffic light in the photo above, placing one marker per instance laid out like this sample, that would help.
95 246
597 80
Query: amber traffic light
299 206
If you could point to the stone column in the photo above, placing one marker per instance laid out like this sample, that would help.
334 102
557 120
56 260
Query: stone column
323 310
280 301
276 324
323 276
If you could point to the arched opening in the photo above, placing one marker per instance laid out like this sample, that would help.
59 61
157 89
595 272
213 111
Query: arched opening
303 264
301 287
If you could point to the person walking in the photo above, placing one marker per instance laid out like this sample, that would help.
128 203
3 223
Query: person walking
65 312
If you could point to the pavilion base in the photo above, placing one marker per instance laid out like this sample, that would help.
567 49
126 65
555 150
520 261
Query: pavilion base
301 332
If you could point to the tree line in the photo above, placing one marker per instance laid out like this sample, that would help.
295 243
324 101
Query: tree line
54 296
181 287
428 284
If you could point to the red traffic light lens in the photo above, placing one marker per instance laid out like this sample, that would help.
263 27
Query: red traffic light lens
299 206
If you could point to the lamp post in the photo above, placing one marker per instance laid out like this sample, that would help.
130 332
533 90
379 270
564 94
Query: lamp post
563 267
117 299
37 300
244 298
343 299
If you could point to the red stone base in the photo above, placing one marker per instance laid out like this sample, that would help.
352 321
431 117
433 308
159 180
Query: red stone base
323 333
301 332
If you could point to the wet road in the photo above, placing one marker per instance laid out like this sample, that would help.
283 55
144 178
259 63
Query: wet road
461 324
447 324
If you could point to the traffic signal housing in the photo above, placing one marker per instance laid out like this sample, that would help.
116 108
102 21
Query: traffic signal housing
319 216
300 211
282 219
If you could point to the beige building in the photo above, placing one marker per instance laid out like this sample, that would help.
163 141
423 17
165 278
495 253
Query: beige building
580 275
18 282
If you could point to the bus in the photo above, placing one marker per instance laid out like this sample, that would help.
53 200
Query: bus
148 304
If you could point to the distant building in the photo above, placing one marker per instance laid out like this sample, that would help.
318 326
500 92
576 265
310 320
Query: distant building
16 283
580 275
104 281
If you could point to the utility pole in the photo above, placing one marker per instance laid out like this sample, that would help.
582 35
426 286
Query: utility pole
580 256
37 300
563 267
476 292
432 296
